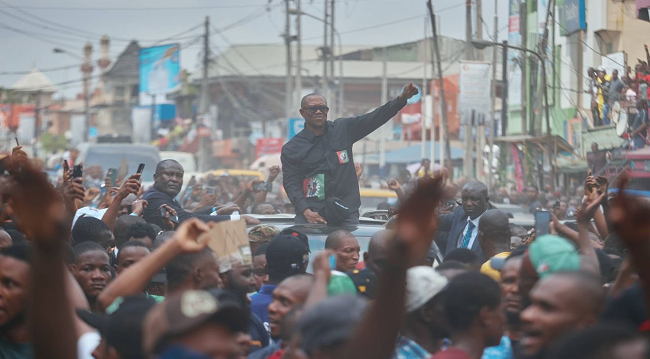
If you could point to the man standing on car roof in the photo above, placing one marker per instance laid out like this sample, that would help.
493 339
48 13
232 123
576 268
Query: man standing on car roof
318 166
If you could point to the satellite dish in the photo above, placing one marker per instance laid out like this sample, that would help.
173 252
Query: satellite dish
616 112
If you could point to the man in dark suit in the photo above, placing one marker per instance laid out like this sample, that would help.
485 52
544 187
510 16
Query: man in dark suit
462 224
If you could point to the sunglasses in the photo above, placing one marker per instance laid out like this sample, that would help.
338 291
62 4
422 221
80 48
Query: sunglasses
314 109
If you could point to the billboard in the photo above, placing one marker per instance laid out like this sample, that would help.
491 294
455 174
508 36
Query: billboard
475 89
266 146
514 56
295 125
573 16
159 73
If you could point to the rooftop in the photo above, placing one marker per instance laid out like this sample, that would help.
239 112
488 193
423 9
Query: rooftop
35 81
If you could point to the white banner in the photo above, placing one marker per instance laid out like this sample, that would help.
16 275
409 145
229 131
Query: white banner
474 90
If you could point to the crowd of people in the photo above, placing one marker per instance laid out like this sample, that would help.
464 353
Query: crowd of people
137 278
628 90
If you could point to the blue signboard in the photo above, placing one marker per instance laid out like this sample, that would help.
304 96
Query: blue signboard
295 125
573 16
159 72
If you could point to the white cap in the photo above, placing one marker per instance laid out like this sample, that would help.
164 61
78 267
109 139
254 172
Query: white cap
422 284
602 68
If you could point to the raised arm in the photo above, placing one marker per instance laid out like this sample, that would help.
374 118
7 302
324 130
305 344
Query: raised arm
630 219
37 209
135 278
362 126
588 258
416 225
132 185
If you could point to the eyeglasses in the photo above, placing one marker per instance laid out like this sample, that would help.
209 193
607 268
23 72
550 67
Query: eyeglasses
314 109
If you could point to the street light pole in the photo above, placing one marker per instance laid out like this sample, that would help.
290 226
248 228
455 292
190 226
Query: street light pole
86 69
479 44
340 46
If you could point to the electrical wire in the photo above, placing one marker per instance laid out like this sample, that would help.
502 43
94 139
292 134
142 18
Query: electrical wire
589 47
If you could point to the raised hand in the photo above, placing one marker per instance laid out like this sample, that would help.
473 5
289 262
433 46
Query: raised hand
73 194
321 264
139 206
252 184
188 233
417 222
36 205
409 91
358 168
394 185
130 186
91 194
274 172
630 215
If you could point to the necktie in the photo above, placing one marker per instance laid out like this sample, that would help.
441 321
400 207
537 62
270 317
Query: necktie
468 235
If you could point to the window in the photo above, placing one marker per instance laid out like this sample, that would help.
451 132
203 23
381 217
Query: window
119 92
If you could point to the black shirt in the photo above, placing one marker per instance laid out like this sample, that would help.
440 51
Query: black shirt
319 167
156 198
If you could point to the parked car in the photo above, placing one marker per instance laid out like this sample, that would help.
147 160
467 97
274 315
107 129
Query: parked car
111 155
317 233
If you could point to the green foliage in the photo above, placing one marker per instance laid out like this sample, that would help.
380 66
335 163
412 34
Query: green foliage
51 142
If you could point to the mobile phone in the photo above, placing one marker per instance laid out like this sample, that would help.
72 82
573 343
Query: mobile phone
78 171
112 175
163 213
211 190
140 168
542 223
17 144
263 186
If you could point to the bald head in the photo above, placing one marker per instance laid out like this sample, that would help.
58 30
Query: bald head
494 232
335 240
168 163
307 96
377 253
475 198
169 177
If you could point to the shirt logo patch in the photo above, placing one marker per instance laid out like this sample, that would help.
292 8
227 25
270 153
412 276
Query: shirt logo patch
314 187
343 156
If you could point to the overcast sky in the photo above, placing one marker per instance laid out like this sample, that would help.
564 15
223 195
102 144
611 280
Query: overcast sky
30 29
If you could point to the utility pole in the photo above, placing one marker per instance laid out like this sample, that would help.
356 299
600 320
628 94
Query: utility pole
523 31
326 80
480 125
87 69
203 108
331 60
288 86
493 95
479 27
542 66
204 144
423 133
469 55
504 89
444 129
384 99
298 53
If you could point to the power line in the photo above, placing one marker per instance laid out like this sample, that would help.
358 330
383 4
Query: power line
163 8
52 69
590 48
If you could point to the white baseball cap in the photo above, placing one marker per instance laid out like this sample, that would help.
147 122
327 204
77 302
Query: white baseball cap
422 284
